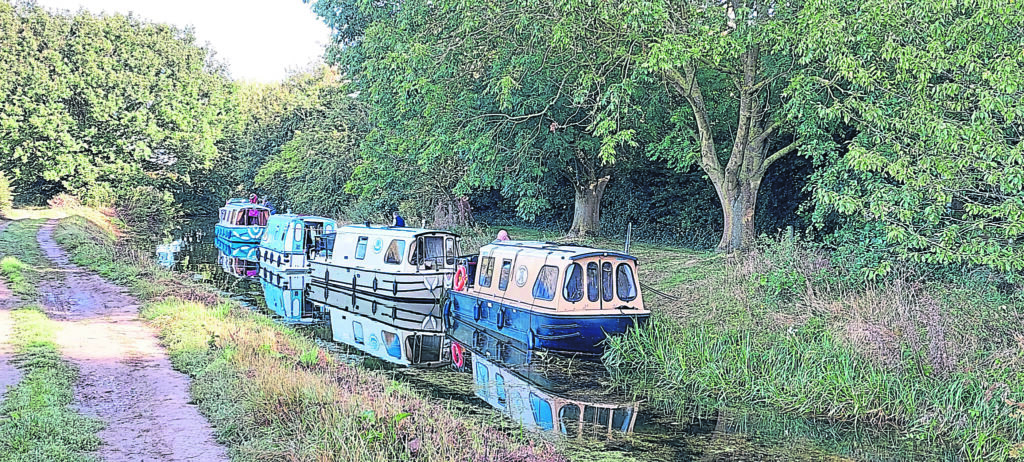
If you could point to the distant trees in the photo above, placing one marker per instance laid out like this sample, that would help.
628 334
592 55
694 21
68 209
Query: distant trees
90 104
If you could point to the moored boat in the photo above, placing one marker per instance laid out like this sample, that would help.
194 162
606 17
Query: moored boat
289 241
241 221
394 275
561 298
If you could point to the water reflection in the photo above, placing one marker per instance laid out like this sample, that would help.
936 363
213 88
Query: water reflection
285 296
166 253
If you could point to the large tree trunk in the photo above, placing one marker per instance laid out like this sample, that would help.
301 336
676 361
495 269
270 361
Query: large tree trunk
739 201
586 218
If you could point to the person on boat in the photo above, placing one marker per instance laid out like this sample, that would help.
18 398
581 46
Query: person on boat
399 222
253 199
268 205
503 235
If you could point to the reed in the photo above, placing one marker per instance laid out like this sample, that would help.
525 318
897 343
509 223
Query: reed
777 329
273 394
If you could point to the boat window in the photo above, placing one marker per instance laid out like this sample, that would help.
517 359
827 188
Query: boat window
238 217
625 285
284 232
361 248
606 282
392 344
499 389
434 248
449 251
541 412
506 271
357 332
223 215
569 420
297 233
573 289
593 290
395 252
423 348
596 416
486 271
547 281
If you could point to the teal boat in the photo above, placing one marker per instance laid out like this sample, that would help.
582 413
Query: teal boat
289 241
242 222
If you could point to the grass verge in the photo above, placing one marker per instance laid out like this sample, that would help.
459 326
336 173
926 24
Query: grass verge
21 259
943 362
36 418
273 394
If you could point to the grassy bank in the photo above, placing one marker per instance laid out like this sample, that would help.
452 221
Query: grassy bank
21 259
272 393
37 421
783 328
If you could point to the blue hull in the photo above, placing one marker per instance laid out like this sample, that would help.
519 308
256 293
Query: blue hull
245 251
240 234
565 333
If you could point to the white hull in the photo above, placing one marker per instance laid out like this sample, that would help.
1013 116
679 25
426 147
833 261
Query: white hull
381 340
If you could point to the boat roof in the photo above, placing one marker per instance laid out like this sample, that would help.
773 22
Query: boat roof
569 251
390 231
293 216
238 205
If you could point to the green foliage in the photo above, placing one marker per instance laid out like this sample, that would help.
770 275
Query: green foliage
37 420
148 213
94 102
6 195
937 166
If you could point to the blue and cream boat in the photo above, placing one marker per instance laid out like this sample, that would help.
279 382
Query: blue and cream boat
290 241
546 296
241 221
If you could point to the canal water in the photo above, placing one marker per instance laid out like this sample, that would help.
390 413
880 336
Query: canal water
564 400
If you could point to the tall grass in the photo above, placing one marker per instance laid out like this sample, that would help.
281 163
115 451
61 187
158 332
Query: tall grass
21 259
271 393
780 328
37 421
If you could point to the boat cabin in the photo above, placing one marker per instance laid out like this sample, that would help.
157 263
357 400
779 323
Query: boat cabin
391 249
236 213
555 277
290 240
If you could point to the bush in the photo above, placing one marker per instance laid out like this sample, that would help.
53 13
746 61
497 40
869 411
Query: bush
6 195
148 213
64 201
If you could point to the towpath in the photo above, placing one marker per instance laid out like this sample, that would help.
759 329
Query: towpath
125 378
9 375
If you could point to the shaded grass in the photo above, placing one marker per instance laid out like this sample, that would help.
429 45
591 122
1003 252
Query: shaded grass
777 328
21 259
36 418
273 394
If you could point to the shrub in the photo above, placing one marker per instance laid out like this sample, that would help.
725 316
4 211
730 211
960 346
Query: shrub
147 212
64 201
6 195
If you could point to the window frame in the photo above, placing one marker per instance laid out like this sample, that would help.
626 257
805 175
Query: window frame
607 286
361 244
551 290
505 274
632 281
565 284
594 290
400 251
486 269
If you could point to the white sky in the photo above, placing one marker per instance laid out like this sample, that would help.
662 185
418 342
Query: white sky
260 40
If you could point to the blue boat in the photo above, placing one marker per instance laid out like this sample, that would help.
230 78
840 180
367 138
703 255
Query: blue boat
546 296
285 295
242 222
290 241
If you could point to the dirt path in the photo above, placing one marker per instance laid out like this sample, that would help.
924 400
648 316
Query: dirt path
126 378
9 375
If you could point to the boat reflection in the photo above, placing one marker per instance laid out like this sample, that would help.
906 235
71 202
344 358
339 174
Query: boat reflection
285 295
166 253
544 392
238 259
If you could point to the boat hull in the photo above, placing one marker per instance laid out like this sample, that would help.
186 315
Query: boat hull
240 234
405 347
285 295
539 330
281 262
404 301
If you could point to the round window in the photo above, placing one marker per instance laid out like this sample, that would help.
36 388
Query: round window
521 275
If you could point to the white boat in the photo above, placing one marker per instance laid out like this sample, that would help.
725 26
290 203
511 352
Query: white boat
395 275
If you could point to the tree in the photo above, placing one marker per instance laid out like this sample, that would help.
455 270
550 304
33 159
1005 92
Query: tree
694 46
92 103
936 93
467 96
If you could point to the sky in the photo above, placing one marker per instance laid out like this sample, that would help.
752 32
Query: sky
261 41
